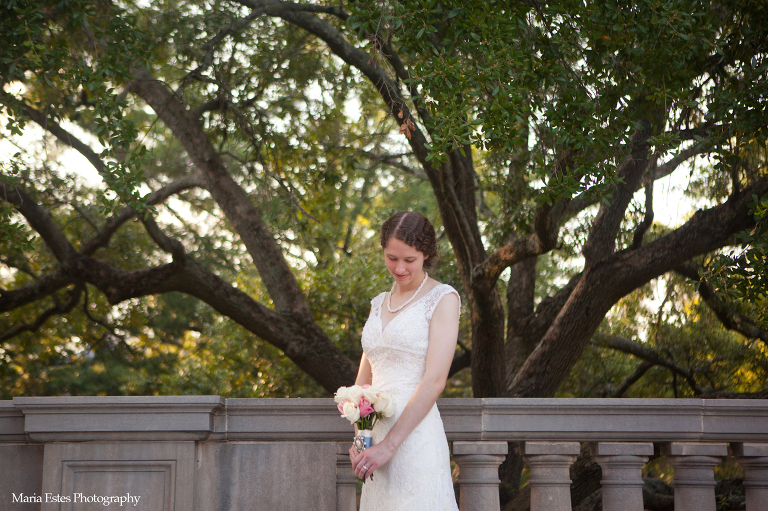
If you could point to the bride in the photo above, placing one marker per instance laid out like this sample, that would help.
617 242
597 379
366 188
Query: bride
408 344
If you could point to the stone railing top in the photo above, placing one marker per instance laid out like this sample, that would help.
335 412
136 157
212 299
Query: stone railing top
85 418
625 419
108 418
11 423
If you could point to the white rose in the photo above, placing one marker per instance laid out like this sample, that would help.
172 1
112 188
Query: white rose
351 412
372 395
385 405
355 393
390 410
341 395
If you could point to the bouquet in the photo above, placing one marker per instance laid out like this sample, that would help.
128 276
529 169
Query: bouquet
364 406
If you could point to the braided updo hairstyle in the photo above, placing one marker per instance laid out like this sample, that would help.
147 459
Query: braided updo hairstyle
414 230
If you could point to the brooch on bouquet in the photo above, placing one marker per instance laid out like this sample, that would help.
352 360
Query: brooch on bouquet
364 406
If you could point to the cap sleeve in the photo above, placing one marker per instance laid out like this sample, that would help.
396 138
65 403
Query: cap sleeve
376 304
436 295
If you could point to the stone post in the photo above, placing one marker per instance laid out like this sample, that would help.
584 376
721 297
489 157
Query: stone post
346 481
479 474
622 481
694 465
550 480
753 458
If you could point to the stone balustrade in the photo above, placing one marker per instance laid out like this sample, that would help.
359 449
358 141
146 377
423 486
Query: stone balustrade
206 453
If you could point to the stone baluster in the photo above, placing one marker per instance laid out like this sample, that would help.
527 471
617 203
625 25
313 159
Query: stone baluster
753 458
346 482
550 479
694 465
622 481
479 474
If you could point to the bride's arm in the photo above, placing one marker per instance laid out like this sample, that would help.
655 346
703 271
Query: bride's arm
364 374
443 332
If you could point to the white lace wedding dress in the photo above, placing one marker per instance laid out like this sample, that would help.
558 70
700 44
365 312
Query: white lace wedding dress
418 477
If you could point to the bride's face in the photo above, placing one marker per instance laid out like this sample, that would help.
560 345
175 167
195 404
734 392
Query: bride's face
404 262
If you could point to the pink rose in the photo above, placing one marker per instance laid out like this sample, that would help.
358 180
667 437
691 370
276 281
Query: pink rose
340 406
365 407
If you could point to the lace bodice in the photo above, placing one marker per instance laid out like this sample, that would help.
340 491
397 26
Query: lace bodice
398 352
419 474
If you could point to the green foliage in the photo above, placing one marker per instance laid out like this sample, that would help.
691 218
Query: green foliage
70 52
87 347
681 329
14 233
578 77
72 355
517 87
743 274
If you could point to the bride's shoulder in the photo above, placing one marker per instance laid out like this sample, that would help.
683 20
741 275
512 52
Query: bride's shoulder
442 289
435 297
378 299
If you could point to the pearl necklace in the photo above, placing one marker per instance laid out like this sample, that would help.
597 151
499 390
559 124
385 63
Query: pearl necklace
390 309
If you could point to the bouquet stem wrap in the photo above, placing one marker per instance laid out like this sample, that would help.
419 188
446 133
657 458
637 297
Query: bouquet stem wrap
364 439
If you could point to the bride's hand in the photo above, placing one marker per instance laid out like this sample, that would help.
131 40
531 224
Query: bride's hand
353 454
366 462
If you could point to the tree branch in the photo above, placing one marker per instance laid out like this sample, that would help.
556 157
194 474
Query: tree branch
510 254
637 239
667 168
460 360
732 320
268 7
67 138
101 240
109 328
392 161
630 380
22 267
645 353
601 241
544 238
534 326
85 216
208 106
230 197
167 244
606 281
40 221
37 290
58 308
704 131
387 87
705 231
301 341
583 201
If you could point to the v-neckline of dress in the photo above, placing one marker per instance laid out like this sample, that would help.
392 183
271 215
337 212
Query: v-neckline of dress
410 306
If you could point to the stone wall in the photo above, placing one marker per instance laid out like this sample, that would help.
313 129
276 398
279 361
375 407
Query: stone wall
207 453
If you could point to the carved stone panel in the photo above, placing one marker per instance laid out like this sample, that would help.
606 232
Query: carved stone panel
151 476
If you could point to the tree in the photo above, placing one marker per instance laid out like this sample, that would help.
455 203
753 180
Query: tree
535 127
